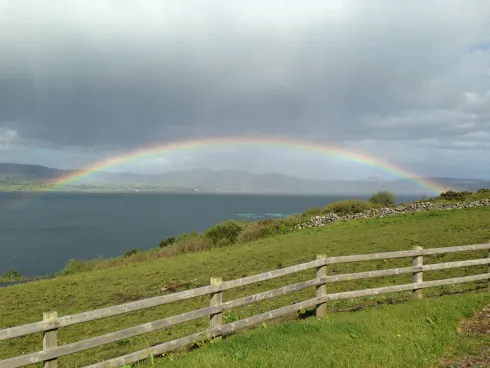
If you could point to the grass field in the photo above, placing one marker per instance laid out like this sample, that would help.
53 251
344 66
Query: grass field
412 334
85 291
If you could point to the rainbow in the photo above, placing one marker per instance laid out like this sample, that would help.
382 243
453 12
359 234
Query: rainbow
191 145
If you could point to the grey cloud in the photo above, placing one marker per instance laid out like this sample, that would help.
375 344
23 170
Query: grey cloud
119 74
8 137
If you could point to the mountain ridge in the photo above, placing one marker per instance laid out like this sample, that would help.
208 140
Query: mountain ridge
228 180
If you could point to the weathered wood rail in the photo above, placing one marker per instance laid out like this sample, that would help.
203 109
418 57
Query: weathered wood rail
51 322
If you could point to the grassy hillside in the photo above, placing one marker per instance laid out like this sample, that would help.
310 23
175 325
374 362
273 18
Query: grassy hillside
104 287
232 232
412 334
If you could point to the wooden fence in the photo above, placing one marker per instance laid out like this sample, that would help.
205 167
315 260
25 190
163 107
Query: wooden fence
52 322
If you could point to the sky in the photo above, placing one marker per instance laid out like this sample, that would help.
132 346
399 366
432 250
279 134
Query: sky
405 81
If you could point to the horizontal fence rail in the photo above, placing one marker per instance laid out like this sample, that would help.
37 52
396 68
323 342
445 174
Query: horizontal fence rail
51 322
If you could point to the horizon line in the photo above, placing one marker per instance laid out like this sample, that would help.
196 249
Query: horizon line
243 171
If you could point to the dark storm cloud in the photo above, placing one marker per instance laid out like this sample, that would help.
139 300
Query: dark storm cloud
122 74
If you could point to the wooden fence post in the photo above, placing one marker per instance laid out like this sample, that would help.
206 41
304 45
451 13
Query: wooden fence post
216 320
418 276
50 340
321 290
488 256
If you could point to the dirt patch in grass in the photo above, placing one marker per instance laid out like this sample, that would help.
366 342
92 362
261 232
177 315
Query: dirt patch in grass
473 347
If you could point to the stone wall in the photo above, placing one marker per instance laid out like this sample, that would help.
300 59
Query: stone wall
328 218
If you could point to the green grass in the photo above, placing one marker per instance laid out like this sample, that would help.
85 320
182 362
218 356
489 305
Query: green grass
11 276
412 334
96 289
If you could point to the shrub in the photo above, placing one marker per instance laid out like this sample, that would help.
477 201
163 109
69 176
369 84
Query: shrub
139 257
384 198
251 233
191 243
483 191
349 207
292 221
224 242
130 252
264 228
185 236
228 230
267 222
313 212
12 275
166 242
76 266
452 195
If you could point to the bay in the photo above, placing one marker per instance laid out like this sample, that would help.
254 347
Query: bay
40 232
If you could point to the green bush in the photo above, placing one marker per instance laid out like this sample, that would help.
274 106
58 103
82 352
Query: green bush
384 198
251 233
185 236
292 221
139 256
313 212
77 266
228 230
349 207
191 243
167 242
483 191
11 276
264 228
224 242
130 252
452 195
267 222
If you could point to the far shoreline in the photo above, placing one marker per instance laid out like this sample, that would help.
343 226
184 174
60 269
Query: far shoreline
202 192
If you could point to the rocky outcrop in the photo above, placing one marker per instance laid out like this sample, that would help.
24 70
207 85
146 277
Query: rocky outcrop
328 218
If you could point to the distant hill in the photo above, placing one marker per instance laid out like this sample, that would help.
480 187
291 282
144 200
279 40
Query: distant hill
229 181
19 172
463 184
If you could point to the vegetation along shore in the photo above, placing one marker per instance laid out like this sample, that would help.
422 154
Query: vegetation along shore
230 232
